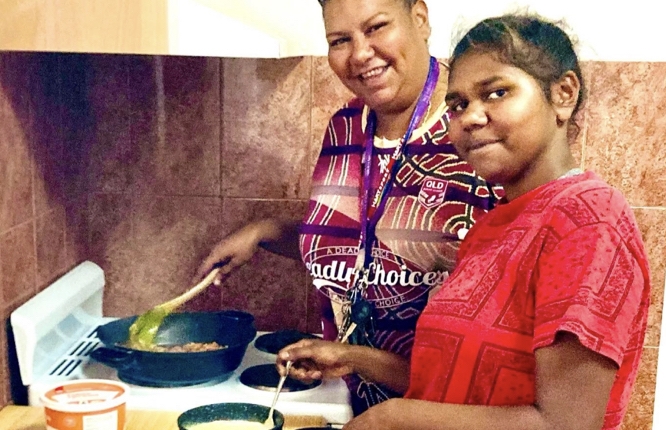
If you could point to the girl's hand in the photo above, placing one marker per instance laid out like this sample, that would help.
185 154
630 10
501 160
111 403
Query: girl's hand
316 359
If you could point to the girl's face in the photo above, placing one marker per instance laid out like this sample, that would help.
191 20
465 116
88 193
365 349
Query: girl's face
378 50
502 124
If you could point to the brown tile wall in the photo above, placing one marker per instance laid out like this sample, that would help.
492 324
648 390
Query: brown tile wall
625 125
181 151
42 185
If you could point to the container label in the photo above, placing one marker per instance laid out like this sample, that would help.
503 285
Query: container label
84 397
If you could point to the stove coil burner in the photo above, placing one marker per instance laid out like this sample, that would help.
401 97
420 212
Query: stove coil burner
272 343
266 377
144 381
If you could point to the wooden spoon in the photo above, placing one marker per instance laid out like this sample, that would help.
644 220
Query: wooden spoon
144 329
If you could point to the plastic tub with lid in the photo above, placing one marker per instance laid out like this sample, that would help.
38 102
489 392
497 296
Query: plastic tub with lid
86 404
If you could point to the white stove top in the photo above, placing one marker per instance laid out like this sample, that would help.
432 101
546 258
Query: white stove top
330 399
55 347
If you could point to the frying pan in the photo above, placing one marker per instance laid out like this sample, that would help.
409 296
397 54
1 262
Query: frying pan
235 329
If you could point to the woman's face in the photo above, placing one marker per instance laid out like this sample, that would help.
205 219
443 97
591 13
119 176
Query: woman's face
379 50
502 124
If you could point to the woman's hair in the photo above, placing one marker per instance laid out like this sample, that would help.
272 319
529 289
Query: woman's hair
407 3
538 47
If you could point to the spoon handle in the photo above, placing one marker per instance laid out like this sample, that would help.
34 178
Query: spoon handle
282 379
183 298
279 388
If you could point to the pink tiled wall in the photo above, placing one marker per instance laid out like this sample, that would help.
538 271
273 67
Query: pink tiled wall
181 151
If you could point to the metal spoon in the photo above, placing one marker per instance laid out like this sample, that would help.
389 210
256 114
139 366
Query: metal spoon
270 421
144 329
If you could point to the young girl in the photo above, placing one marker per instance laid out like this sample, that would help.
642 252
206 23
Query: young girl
541 324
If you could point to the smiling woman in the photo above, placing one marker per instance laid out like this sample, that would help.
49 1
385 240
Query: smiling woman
390 203
389 186
377 49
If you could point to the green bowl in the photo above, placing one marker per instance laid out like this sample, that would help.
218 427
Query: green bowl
228 411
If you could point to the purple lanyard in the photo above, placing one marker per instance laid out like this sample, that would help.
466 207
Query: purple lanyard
371 211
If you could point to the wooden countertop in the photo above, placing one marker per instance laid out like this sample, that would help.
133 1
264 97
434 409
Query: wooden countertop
32 418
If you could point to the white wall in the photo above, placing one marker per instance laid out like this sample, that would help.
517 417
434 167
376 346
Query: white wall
608 31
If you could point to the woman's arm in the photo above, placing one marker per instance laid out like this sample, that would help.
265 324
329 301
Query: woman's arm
280 237
274 235
573 387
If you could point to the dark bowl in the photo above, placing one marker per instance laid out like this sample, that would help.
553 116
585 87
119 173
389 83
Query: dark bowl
228 412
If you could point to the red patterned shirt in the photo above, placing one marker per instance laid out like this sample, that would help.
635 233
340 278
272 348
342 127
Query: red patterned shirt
565 257
435 196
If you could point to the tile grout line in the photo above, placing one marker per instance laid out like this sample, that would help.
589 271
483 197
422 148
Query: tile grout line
202 196
33 173
220 118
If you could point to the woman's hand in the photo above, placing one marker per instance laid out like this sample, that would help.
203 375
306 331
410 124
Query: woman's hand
275 235
316 359
232 252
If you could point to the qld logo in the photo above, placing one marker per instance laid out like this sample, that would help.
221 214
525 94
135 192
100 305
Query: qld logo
432 193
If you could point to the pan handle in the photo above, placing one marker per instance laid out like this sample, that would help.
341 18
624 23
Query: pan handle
116 358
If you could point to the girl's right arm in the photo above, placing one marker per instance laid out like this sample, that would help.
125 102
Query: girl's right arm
320 359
